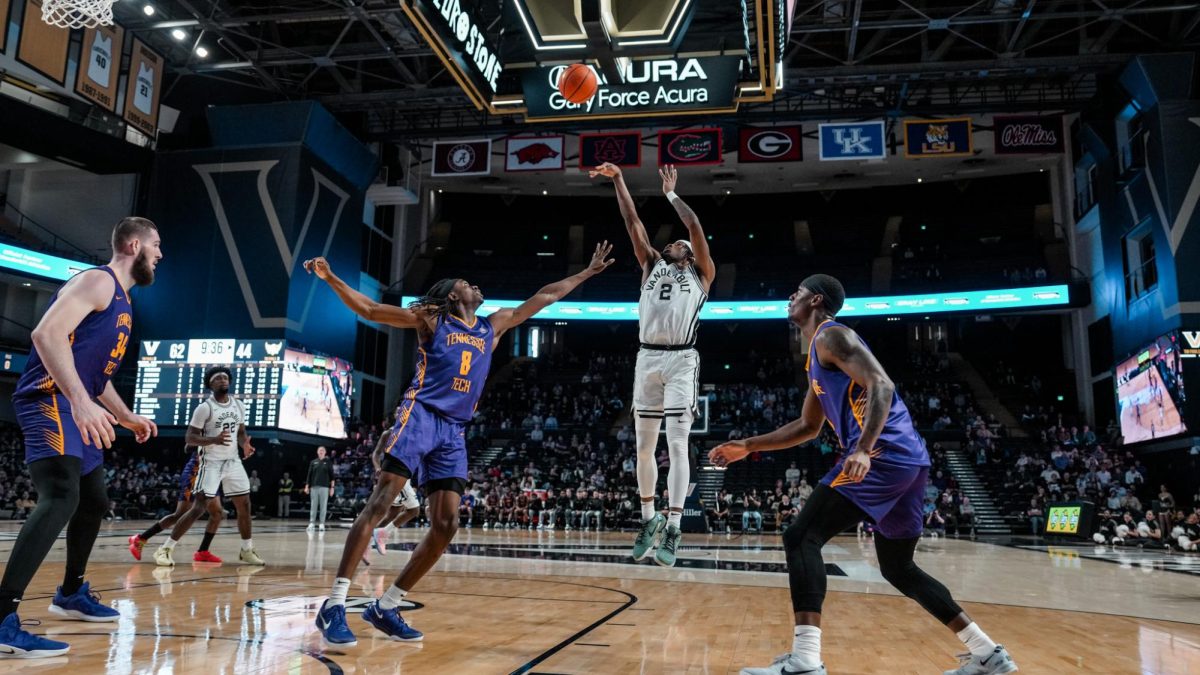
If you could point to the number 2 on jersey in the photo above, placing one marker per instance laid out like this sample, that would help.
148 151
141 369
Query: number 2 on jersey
665 292
465 367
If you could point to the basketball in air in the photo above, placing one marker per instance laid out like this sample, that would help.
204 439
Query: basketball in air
577 83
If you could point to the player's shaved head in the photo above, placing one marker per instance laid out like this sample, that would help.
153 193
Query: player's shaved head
129 229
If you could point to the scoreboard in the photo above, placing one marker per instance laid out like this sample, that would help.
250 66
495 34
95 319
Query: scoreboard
170 377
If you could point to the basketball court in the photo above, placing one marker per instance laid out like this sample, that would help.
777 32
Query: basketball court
573 602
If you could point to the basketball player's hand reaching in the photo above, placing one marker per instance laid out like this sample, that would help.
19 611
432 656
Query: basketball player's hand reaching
318 266
669 176
600 259
856 465
607 169
247 449
728 453
141 427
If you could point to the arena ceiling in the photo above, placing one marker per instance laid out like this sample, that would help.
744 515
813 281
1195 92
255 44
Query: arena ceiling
366 60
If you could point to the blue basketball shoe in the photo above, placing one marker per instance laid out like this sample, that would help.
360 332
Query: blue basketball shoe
83 605
391 623
331 621
19 644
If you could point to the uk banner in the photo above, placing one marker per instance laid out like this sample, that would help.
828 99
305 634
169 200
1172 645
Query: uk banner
534 153
776 144
690 146
1028 134
852 140
937 138
462 158
623 149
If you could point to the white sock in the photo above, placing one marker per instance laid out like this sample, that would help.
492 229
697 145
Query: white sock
169 544
647 510
806 647
977 642
247 544
673 518
341 586
391 599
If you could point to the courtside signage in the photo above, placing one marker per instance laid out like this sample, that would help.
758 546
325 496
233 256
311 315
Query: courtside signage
853 140
938 303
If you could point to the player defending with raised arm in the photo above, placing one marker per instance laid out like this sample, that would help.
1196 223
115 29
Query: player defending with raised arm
427 444
675 285
66 405
880 476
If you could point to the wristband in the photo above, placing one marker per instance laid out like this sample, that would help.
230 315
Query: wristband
671 196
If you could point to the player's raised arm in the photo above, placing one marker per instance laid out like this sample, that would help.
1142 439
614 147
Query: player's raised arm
704 262
642 250
800 430
361 304
548 295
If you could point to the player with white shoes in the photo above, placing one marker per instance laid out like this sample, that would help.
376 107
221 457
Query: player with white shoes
675 284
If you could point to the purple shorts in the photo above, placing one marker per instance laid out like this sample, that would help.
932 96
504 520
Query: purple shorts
430 445
50 431
891 494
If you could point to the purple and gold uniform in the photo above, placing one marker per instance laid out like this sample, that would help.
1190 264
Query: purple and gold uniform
98 346
892 492
452 366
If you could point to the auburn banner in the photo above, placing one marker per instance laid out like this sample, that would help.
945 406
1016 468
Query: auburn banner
689 146
777 144
462 158
534 153
622 149
937 138
1028 134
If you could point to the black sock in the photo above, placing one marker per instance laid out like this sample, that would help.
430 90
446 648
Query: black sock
151 531
204 543
8 604
71 584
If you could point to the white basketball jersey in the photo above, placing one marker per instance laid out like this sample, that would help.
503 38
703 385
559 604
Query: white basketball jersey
212 418
144 92
100 66
669 309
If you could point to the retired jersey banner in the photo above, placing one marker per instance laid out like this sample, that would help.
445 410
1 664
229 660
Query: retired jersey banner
623 149
143 88
937 138
1028 134
534 153
776 144
690 146
99 62
462 158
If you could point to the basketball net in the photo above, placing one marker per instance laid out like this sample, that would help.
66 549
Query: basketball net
77 13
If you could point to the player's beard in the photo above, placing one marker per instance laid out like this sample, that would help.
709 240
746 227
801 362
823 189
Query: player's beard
221 391
143 270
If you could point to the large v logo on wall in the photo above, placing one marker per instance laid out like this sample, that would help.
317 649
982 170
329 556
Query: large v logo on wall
244 261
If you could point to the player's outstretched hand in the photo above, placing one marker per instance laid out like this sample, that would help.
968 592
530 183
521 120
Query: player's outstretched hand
95 424
669 176
600 259
728 453
318 266
247 449
856 465
142 427
607 169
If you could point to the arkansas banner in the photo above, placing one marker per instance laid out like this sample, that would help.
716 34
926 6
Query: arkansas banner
937 138
776 144
623 149
1028 134
462 158
690 146
534 153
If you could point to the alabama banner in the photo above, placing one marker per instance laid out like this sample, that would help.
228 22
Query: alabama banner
690 146
534 153
462 158
623 149
937 138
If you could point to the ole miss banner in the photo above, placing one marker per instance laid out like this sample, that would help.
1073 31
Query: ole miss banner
462 158
623 149
1028 134
776 144
690 146
937 138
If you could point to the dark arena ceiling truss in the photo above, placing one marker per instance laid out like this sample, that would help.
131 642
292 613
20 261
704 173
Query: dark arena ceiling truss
367 61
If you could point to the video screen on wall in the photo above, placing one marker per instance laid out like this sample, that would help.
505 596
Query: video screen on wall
316 393
1150 392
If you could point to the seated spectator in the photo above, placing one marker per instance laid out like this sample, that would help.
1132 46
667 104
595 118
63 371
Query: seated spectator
966 515
751 505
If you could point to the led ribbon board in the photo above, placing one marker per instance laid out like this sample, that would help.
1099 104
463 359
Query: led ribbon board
1039 297
39 264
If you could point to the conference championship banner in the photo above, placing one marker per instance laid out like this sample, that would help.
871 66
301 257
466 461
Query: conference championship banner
100 60
937 138
777 144
462 158
143 87
852 140
692 147
41 46
533 153
1028 134
623 149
